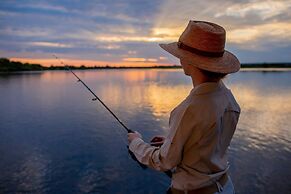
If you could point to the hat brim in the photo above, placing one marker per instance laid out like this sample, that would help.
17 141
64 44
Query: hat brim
228 63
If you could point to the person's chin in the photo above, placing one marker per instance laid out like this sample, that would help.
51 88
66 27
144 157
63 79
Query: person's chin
186 73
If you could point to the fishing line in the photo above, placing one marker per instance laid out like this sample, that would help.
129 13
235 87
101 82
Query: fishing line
96 97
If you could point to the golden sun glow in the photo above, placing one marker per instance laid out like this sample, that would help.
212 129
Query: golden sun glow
275 30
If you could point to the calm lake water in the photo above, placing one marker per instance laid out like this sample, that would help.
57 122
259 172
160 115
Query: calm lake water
54 139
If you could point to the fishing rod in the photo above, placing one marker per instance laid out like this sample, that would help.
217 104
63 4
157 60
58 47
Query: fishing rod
96 97
168 173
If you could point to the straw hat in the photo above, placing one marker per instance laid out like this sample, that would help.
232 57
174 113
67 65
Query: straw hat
202 45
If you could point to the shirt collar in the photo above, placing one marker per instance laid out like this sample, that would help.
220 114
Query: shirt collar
207 87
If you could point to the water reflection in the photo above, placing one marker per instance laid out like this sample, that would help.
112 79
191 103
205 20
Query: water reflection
31 174
163 99
61 142
266 114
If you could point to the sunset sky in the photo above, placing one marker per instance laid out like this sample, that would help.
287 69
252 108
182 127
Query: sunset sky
127 32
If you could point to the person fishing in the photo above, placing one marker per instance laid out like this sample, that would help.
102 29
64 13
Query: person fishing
202 125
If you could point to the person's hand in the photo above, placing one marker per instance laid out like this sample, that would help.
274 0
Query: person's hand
157 141
132 136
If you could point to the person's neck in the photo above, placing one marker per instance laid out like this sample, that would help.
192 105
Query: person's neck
199 79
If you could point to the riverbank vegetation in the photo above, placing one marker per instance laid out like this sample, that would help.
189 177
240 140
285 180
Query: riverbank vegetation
7 65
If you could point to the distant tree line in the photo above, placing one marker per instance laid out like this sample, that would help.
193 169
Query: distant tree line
8 66
266 65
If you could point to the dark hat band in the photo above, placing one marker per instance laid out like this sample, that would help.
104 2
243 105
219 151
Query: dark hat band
199 52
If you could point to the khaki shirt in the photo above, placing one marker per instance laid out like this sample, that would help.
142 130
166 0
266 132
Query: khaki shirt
201 128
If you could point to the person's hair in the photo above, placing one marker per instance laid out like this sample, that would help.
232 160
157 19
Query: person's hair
213 76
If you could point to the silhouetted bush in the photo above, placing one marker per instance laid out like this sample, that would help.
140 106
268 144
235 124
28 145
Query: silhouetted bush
6 65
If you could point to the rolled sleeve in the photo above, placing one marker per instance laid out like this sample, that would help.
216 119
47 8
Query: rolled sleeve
134 144
169 154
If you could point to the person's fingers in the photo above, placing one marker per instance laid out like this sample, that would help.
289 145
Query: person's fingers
157 144
157 139
131 136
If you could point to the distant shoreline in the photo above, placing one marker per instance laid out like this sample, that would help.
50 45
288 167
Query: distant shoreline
7 66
